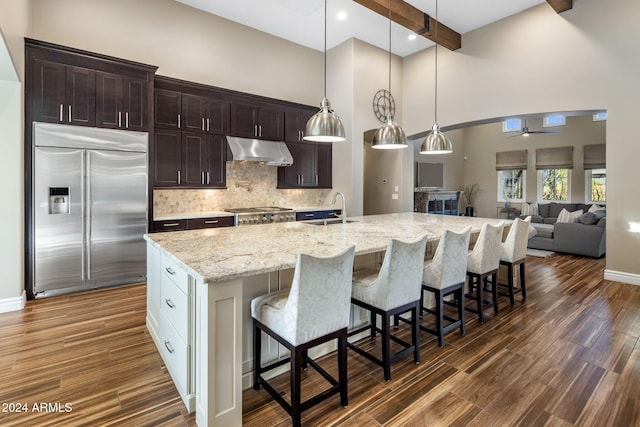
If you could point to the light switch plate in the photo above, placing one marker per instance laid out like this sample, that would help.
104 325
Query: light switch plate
394 196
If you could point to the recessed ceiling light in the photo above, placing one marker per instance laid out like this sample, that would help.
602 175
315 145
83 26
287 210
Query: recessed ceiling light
342 15
412 37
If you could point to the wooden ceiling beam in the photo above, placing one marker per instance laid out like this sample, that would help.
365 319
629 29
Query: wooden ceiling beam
560 5
415 20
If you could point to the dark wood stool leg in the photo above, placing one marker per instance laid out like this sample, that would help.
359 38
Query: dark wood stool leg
257 353
374 325
415 332
295 378
386 346
342 369
510 283
440 317
460 297
522 284
494 292
479 298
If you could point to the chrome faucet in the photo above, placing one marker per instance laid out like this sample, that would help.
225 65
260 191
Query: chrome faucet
344 205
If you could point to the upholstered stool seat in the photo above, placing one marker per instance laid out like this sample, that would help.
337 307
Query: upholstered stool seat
513 253
444 275
392 291
313 311
482 268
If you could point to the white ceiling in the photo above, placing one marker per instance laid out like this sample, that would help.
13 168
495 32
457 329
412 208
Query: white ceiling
302 21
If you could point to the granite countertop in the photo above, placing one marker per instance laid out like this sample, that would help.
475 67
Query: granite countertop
219 254
192 215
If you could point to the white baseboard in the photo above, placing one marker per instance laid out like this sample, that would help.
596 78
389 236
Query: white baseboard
621 276
13 304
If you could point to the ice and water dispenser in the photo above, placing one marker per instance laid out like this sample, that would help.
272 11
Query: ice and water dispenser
58 200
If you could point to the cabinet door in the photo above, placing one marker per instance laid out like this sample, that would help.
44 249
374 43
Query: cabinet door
49 92
81 96
270 124
243 120
217 120
167 158
307 164
215 153
193 150
134 102
324 165
295 122
193 113
168 105
109 100
288 176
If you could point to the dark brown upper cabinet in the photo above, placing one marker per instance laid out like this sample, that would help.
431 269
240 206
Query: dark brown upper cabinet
194 113
252 121
63 93
167 156
295 122
121 102
312 167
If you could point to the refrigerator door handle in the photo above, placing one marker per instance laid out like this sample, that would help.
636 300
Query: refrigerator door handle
87 217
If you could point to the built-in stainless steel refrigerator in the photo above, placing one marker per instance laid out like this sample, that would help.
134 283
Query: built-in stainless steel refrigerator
89 207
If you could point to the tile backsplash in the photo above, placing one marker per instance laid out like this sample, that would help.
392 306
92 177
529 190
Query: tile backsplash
248 184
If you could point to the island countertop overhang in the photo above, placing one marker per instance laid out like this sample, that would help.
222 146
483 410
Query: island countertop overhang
221 254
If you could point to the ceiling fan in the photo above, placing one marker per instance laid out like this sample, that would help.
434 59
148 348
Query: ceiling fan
525 131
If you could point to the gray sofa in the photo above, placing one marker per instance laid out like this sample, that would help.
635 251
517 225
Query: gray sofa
586 237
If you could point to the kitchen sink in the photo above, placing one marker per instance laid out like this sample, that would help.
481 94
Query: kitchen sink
328 221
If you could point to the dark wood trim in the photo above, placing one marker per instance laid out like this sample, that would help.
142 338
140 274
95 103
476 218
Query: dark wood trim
415 20
561 5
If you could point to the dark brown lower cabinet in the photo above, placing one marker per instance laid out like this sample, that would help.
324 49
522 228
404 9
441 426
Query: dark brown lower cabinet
193 223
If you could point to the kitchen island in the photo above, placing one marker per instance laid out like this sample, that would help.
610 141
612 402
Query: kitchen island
200 282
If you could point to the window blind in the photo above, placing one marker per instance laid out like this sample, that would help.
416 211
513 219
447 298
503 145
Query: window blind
595 156
554 158
511 160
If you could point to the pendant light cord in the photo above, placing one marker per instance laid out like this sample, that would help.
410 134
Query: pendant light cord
389 100
435 108
325 49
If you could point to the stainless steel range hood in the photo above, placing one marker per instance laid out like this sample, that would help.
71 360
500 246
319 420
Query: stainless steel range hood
273 153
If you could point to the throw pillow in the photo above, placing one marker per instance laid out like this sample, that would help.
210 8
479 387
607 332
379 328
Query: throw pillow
595 207
566 216
589 218
529 209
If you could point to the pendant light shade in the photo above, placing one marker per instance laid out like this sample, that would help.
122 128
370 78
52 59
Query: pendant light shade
390 136
436 142
325 125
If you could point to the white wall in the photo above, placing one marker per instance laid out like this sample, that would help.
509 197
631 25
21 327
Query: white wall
539 61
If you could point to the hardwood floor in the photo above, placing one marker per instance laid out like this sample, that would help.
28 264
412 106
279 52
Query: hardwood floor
569 355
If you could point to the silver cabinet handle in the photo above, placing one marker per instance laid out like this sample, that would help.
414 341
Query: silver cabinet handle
170 349
171 224
211 222
316 179
61 112
301 179
126 120
119 119
179 178
255 130
170 271
69 113
309 214
203 123
207 124
208 179
178 121
259 130
202 177
169 303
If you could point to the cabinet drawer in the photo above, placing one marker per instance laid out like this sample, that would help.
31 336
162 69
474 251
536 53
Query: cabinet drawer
220 221
304 216
170 225
173 271
175 307
175 354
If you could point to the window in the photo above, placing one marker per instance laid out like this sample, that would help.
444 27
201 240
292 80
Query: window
512 125
550 121
554 185
600 117
596 185
511 185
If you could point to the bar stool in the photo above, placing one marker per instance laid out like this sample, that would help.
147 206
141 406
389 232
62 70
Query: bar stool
513 253
483 263
392 291
445 274
313 311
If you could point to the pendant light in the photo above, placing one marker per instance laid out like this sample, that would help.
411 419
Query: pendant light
389 136
325 125
436 142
